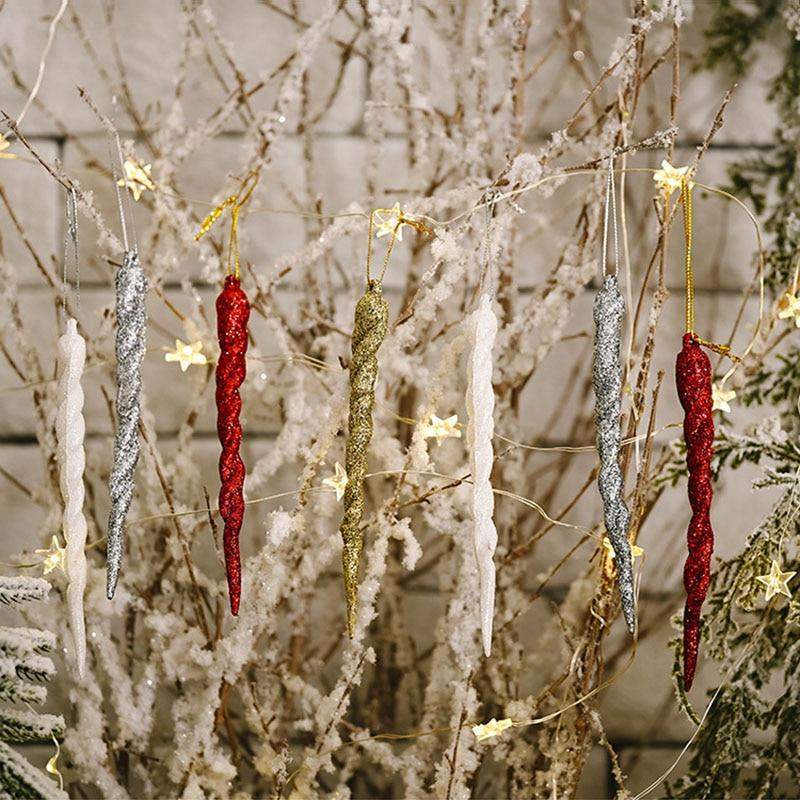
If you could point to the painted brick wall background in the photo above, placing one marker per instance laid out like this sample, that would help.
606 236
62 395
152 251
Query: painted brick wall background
63 127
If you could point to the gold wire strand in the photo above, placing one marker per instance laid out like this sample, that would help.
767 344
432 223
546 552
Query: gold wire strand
235 202
369 242
686 199
402 219
688 226
389 252
248 187
206 224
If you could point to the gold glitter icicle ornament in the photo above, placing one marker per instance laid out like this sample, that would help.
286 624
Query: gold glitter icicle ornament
369 331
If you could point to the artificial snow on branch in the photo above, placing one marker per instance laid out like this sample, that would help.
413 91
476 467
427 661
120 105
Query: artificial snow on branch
22 666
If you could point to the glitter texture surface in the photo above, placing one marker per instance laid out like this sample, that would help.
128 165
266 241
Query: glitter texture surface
609 310
70 430
369 331
233 312
693 378
131 291
482 330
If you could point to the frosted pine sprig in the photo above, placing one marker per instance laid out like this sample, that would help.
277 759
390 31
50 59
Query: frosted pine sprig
70 430
28 726
21 780
13 689
480 429
21 641
19 589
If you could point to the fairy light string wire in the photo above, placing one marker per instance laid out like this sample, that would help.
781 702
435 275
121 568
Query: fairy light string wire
489 198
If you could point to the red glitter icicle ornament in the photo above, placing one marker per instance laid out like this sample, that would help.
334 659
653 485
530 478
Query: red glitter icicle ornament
693 378
233 313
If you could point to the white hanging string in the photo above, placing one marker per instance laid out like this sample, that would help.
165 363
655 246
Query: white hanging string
70 253
70 430
610 208
123 205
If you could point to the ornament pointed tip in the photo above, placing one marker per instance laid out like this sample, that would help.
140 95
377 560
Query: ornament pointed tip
689 667
630 619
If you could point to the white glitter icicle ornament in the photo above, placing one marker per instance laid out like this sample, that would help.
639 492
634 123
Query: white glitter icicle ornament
482 329
70 430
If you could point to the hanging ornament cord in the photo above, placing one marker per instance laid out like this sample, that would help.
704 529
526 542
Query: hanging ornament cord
70 432
130 345
481 333
609 310
369 330
233 312
693 380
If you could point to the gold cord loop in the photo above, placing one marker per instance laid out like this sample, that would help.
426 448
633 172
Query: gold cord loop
686 200
402 219
235 202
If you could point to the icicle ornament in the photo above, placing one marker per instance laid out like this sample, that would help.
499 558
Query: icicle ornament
609 309
369 331
693 379
131 291
481 333
233 313
70 431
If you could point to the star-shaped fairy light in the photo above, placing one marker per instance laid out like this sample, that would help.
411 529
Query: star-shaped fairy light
186 354
441 429
789 308
636 551
721 397
337 481
137 178
494 727
53 557
775 581
4 145
388 221
670 178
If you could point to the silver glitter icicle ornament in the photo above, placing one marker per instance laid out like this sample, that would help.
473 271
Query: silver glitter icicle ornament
131 290
609 309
